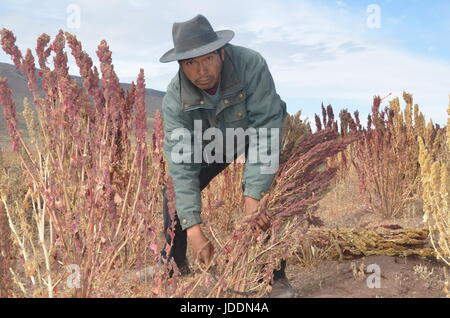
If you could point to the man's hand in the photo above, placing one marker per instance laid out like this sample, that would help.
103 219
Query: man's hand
251 208
202 247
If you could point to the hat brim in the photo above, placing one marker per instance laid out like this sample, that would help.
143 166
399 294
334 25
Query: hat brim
223 37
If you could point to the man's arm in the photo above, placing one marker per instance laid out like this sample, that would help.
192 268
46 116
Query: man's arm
265 110
185 175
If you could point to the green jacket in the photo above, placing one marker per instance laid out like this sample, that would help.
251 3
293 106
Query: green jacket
247 98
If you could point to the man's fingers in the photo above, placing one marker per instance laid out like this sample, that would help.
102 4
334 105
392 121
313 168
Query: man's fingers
206 253
264 218
263 223
261 220
263 227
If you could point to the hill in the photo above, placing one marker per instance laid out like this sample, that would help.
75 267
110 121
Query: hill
19 86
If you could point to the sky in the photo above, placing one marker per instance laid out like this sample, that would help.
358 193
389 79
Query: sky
341 53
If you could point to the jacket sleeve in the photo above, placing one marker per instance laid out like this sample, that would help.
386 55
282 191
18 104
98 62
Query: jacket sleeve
178 132
265 110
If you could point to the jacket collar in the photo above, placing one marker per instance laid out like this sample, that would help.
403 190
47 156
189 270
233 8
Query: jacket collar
230 83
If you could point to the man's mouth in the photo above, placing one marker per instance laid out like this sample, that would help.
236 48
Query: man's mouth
204 81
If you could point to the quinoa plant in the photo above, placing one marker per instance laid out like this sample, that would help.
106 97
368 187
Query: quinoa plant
386 155
245 258
89 192
436 194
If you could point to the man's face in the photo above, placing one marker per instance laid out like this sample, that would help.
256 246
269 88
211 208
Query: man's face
204 71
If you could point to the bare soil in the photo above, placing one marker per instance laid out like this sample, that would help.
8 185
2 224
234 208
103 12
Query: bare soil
400 277
410 277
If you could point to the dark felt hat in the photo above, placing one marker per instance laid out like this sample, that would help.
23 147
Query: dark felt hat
194 38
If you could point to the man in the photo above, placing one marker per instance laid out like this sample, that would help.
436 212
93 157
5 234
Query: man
219 86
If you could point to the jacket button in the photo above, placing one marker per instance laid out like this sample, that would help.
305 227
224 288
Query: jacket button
184 221
202 102
239 115
241 95
185 105
226 101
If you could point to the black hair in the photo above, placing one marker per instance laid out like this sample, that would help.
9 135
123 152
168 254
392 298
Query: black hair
216 52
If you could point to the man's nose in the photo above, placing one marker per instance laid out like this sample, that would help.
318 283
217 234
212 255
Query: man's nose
201 69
